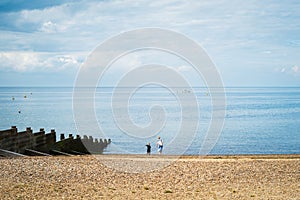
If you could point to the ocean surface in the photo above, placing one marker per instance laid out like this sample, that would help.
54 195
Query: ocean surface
258 120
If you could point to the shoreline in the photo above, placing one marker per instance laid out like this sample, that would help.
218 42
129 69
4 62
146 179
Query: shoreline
212 156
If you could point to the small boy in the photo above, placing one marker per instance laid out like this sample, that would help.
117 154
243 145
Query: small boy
148 148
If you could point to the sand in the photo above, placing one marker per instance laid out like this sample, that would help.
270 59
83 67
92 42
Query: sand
189 177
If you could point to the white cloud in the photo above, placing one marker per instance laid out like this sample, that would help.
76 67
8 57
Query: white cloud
33 61
49 27
46 17
125 63
295 69
18 61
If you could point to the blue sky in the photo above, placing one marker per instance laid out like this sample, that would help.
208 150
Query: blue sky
252 43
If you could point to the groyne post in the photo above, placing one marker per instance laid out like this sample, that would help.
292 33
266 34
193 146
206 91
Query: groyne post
8 139
24 140
39 140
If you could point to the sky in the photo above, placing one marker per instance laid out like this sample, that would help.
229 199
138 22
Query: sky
252 43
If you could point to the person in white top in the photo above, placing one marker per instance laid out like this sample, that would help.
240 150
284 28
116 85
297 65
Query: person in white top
159 145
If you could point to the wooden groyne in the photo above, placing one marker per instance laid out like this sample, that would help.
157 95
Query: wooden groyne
42 143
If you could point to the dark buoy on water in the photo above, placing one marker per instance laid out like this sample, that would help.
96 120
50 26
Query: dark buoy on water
19 111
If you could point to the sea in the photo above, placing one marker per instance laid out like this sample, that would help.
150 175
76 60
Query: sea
256 120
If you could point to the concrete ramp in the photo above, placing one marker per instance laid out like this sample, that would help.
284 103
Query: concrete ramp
6 153
31 152
56 152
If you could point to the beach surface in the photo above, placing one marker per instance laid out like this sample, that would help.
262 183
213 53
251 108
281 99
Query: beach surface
151 177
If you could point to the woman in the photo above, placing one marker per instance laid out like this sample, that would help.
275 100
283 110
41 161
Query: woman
159 145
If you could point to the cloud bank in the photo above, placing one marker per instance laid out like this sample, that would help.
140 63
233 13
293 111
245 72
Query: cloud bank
250 38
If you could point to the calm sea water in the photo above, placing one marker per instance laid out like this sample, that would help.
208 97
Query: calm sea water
257 120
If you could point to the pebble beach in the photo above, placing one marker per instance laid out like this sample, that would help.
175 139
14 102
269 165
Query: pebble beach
151 177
